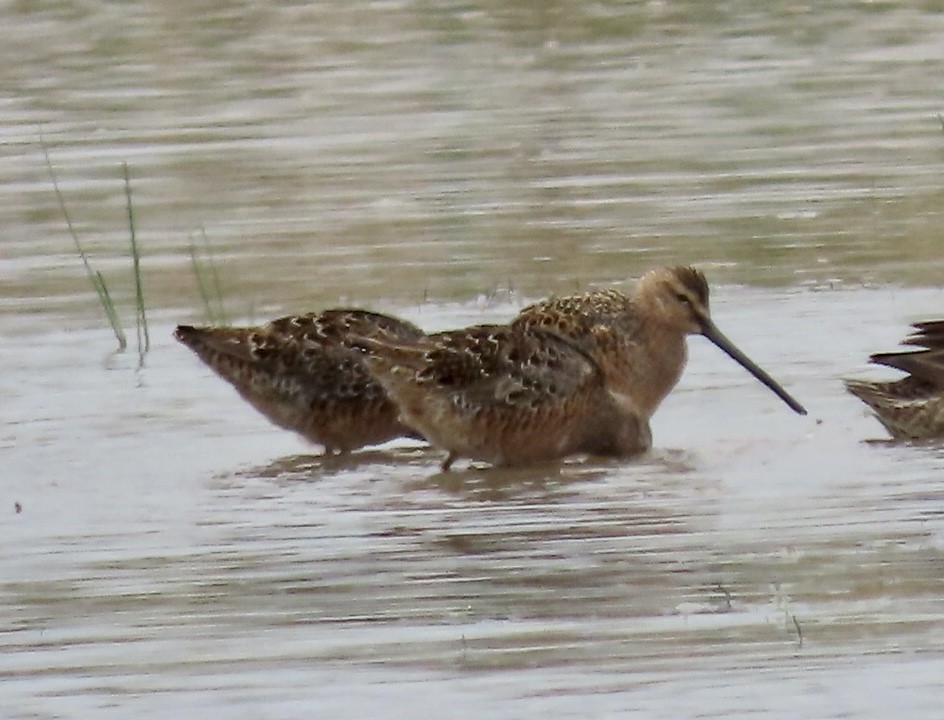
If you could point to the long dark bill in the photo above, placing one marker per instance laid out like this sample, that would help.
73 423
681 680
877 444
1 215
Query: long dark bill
711 332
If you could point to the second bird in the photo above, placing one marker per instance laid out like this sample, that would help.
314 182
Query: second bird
912 407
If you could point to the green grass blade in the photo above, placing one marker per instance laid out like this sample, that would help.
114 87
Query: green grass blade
215 277
208 280
140 312
95 278
198 273
102 289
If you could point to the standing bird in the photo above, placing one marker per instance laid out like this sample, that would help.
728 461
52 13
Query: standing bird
575 374
300 372
911 408
505 395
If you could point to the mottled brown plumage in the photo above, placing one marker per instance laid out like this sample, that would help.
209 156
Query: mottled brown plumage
300 372
569 375
911 408
638 340
505 395
573 374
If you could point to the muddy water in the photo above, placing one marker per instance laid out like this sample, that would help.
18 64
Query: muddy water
164 550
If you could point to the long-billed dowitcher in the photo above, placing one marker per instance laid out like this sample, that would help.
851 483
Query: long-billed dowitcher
638 340
576 374
911 408
506 395
300 373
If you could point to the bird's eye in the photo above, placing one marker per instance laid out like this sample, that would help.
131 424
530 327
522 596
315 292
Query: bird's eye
683 298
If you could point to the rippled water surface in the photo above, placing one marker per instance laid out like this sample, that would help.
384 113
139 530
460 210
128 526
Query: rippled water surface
165 550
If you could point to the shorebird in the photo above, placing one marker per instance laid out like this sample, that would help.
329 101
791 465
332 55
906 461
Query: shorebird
569 375
639 340
911 408
505 395
300 372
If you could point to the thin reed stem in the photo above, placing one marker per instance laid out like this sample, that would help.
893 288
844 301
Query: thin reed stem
208 281
144 340
95 277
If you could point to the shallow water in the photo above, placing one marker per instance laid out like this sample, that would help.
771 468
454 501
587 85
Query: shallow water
174 552
166 550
